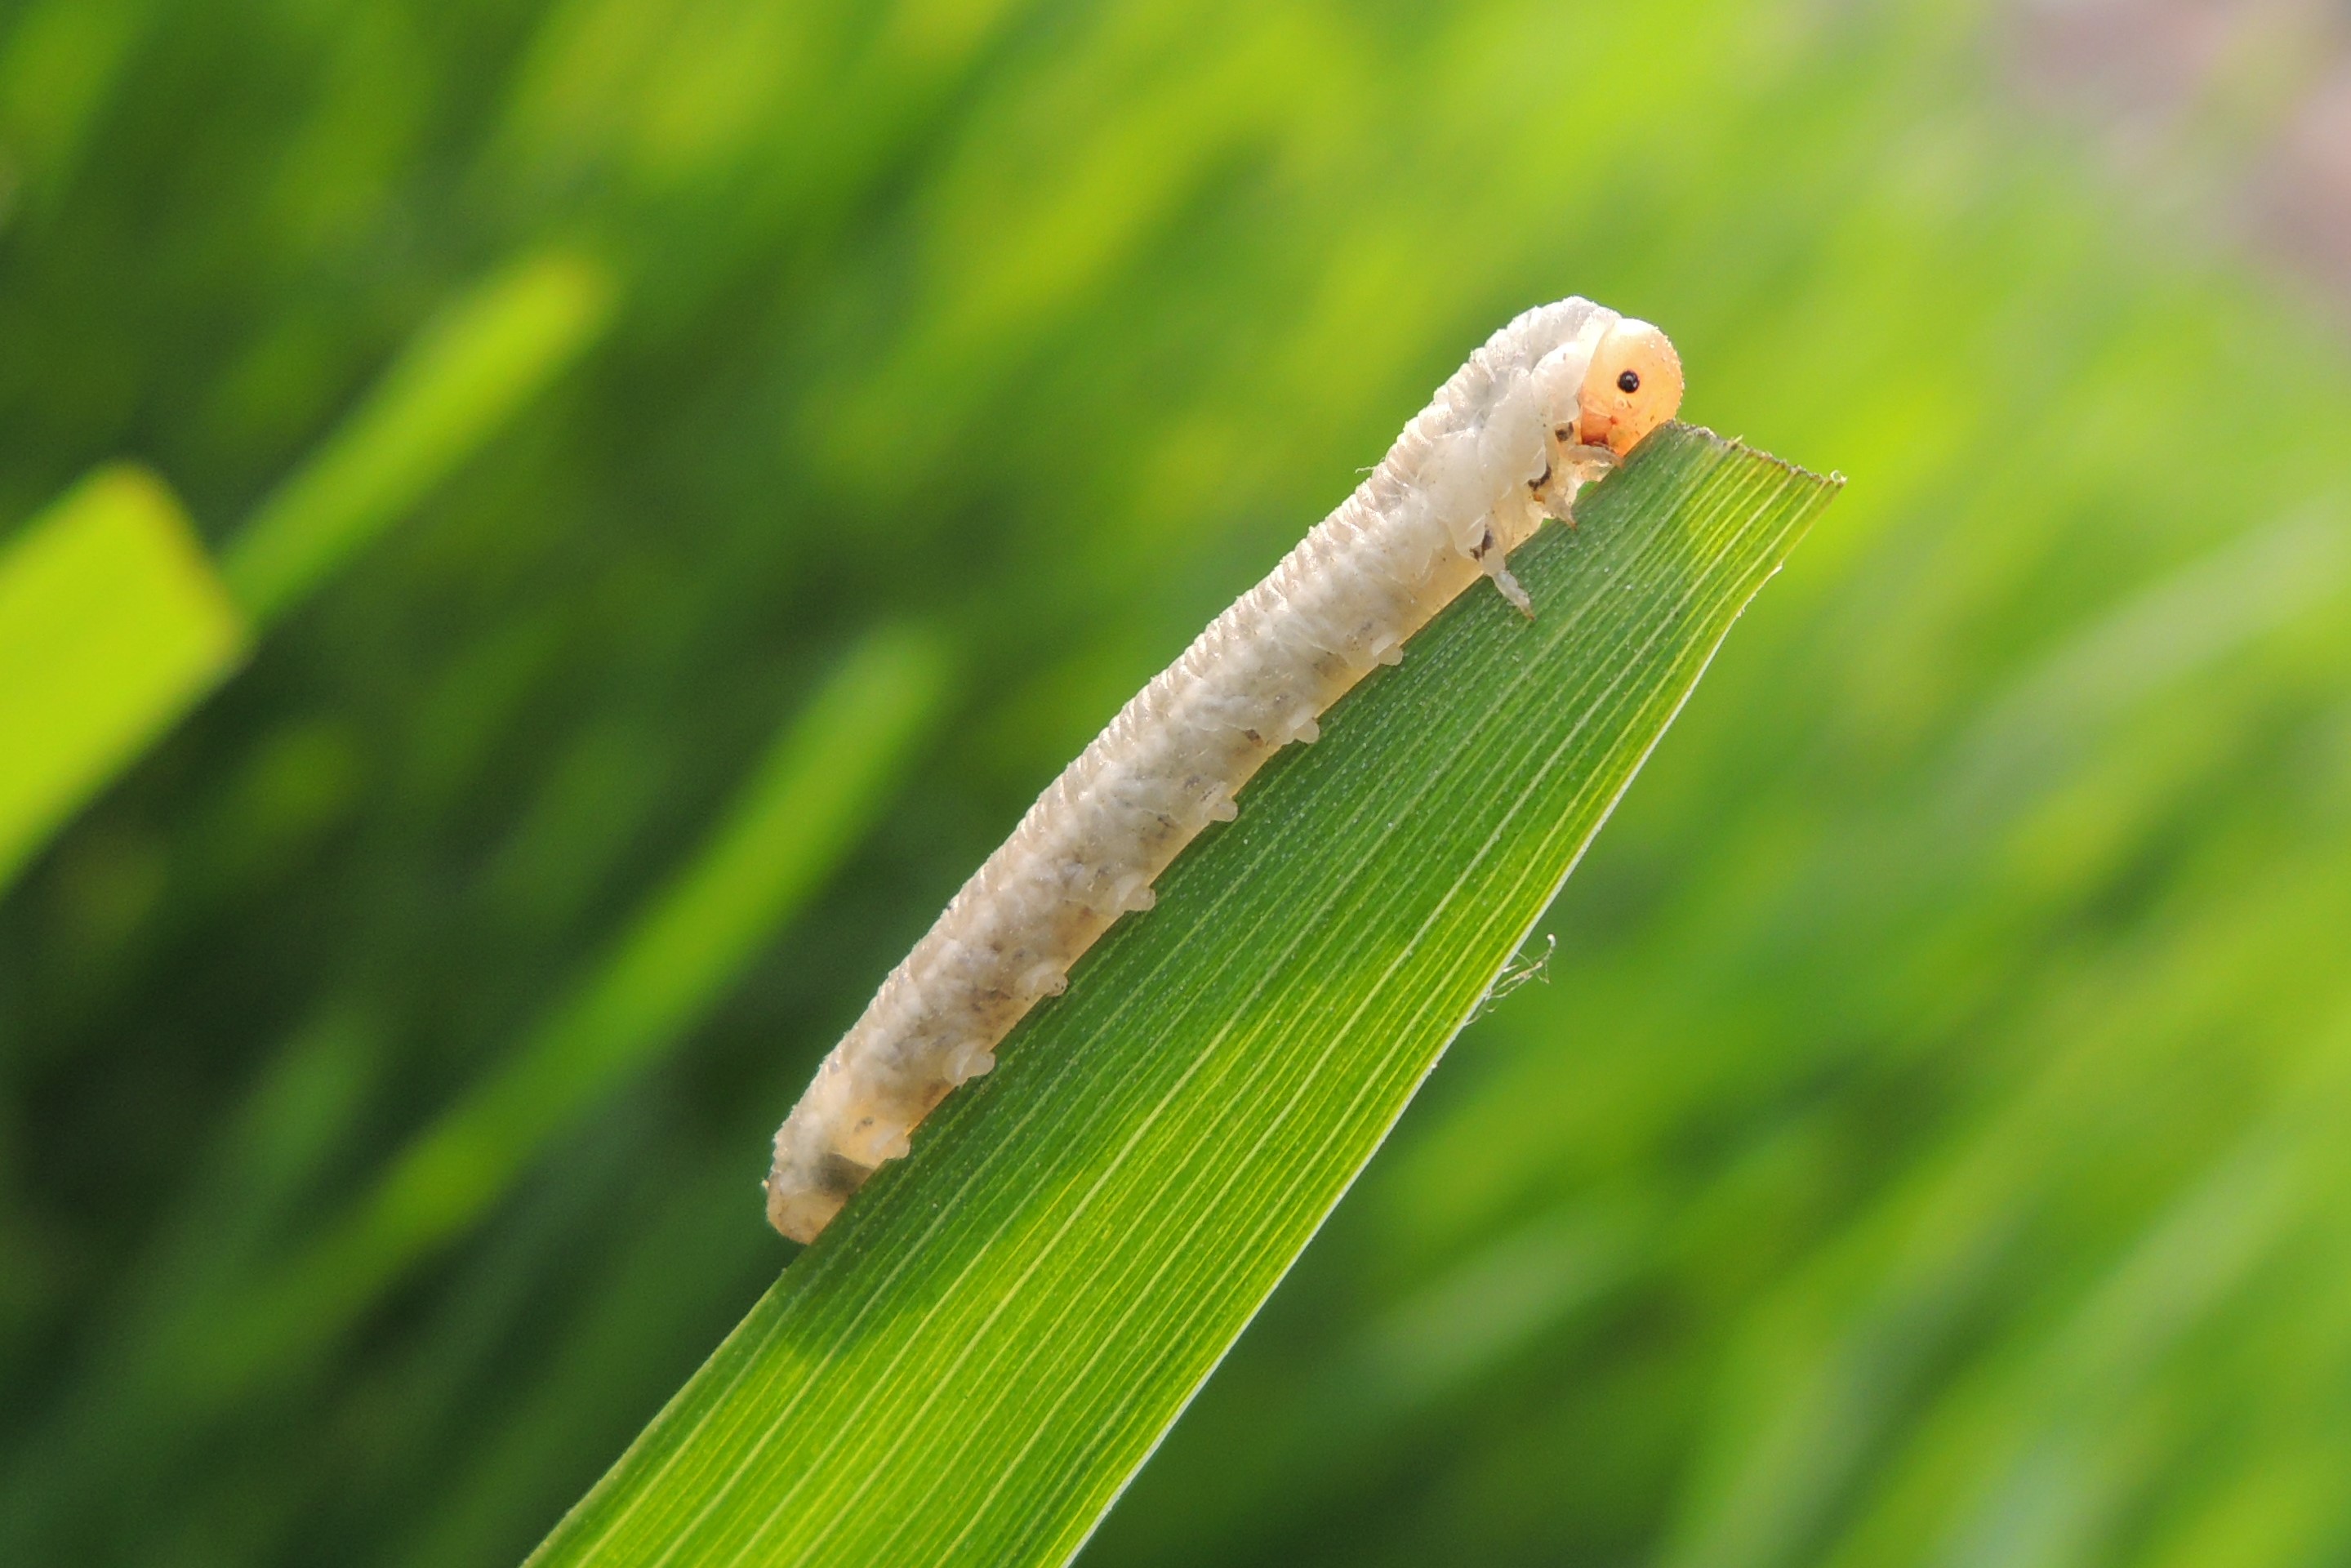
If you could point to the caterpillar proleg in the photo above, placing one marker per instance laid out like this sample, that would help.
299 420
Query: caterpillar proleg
1548 404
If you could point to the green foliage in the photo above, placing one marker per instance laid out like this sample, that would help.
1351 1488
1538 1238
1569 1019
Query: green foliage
1917 1150
224 1335
114 621
976 1357
111 622
462 380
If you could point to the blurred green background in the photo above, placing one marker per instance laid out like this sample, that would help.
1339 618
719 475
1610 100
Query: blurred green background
684 473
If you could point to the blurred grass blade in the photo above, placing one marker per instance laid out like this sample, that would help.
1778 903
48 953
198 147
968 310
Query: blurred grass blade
979 1353
468 372
111 622
60 65
111 619
810 800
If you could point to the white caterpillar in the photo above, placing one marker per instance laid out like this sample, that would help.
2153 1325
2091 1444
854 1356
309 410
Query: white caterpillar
1550 402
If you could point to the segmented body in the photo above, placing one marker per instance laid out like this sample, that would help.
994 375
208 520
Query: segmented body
1471 477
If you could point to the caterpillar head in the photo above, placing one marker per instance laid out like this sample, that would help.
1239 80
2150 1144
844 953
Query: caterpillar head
1633 385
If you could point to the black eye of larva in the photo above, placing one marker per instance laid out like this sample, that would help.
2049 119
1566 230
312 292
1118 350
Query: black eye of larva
1630 381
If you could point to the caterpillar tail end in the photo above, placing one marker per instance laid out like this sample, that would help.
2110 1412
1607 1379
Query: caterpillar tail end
801 1203
807 1186
798 1214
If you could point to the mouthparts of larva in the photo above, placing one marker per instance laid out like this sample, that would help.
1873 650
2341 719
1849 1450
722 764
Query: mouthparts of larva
1632 386
1602 393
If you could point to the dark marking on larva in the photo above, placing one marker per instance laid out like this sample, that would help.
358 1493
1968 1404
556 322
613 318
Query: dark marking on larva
839 1173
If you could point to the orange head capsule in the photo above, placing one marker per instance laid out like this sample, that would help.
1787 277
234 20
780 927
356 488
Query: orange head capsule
1633 385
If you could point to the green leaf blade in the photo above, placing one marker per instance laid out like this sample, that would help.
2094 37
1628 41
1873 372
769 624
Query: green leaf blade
112 625
980 1352
460 381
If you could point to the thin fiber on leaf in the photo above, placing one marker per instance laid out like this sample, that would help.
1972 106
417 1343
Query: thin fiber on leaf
974 1360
